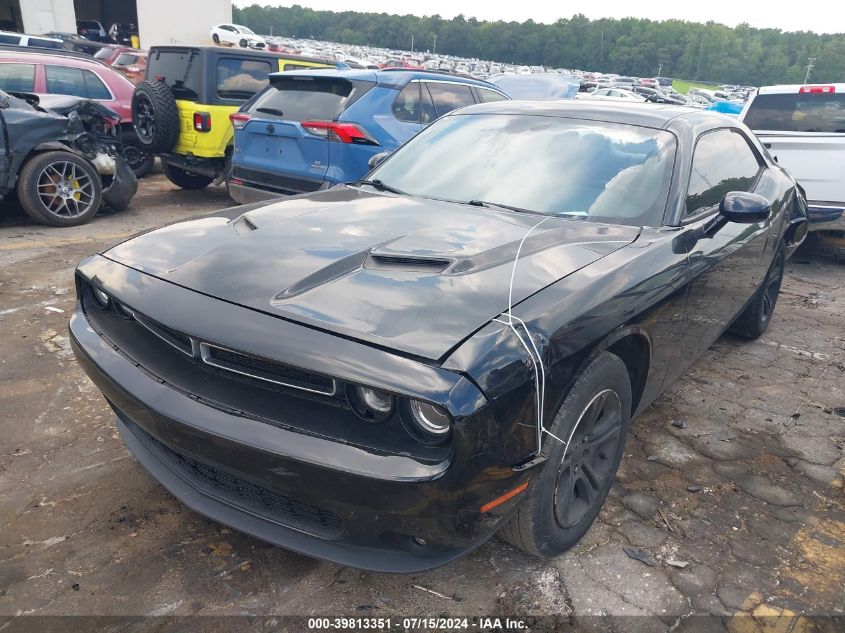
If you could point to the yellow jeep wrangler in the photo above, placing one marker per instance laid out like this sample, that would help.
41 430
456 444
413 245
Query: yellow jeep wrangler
181 111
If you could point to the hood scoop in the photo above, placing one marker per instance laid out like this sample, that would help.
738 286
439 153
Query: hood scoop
364 259
412 263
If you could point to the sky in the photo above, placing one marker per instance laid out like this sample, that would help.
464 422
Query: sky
821 16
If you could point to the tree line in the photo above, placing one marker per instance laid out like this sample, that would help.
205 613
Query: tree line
702 52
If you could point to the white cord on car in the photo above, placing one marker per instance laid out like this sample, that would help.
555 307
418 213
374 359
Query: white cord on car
536 358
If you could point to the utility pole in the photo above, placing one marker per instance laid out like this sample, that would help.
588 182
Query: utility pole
660 70
434 47
810 63
412 43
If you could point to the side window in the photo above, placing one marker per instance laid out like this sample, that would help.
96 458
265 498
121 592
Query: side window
488 96
296 67
64 80
407 105
448 97
241 78
17 77
10 39
723 161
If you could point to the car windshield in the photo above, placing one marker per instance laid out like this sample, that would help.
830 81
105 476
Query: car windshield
598 171
245 30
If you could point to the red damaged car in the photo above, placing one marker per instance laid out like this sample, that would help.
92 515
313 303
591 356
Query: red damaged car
80 76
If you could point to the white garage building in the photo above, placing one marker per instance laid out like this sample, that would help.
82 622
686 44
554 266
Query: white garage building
159 21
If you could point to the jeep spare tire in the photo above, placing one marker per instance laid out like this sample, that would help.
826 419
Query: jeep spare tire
155 116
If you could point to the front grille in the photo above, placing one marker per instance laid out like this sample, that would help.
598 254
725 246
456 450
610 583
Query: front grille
248 495
177 339
249 368
263 369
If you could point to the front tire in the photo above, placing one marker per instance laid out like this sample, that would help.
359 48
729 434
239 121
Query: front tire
566 496
59 189
185 179
754 320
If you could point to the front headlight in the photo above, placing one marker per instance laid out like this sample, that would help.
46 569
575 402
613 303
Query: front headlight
375 399
432 421
373 405
100 297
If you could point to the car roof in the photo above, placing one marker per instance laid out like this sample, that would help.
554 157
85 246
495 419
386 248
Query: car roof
393 77
796 88
653 115
37 56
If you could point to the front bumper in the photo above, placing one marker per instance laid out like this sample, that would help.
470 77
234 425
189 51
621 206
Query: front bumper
312 495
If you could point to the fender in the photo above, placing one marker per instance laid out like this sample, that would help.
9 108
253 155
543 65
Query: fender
54 145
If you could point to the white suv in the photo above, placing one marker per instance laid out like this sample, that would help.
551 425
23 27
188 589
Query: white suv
804 128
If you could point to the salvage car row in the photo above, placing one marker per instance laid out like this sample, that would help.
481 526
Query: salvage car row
239 115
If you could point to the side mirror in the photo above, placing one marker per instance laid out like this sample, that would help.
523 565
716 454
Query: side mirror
740 207
743 207
376 160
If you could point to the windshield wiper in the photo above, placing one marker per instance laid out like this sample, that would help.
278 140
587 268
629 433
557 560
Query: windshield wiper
485 203
274 111
379 185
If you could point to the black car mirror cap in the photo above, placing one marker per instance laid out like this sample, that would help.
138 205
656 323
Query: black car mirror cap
744 207
740 207
377 159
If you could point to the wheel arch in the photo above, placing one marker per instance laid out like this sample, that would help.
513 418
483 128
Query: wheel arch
633 345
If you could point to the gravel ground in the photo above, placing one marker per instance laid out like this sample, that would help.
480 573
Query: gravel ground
731 488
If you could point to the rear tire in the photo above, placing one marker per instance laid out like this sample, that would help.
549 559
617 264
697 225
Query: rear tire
565 497
216 39
756 317
59 189
155 116
185 179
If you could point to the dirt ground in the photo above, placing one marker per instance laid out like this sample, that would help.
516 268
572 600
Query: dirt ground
731 488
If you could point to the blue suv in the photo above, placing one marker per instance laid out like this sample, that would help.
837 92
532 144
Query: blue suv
311 129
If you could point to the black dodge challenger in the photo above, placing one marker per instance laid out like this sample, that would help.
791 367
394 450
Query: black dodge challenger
386 373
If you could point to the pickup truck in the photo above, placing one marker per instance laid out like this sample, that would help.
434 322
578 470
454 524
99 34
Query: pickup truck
803 127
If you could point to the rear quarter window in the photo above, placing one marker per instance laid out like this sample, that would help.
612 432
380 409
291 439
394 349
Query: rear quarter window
10 39
241 78
489 96
802 112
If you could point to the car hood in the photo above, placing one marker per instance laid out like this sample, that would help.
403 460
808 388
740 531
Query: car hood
405 273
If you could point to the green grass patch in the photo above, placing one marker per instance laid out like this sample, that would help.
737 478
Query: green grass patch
684 86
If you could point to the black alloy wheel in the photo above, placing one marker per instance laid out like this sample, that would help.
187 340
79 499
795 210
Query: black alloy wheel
588 460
